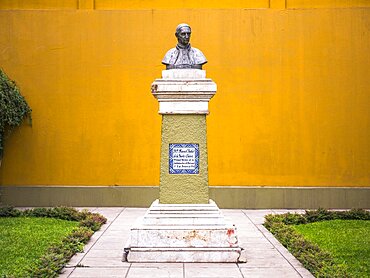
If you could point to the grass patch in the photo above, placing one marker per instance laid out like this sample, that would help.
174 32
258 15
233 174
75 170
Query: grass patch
348 241
43 240
321 262
23 240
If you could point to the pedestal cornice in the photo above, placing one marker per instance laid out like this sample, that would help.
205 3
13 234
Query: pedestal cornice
181 91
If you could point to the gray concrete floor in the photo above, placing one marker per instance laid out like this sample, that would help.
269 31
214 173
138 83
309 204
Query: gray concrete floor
102 256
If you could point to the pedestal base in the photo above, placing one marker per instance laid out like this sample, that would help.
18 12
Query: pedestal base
183 233
184 255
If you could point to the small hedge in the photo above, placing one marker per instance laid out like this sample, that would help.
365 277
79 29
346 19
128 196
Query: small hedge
58 255
320 263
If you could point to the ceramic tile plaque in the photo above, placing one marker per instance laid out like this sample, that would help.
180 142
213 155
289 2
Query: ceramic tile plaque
184 158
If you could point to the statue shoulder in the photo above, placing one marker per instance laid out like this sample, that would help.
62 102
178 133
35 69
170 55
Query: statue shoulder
169 54
199 57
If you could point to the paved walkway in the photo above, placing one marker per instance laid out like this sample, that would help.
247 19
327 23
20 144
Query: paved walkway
266 257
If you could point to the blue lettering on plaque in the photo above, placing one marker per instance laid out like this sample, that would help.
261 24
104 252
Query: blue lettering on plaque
184 158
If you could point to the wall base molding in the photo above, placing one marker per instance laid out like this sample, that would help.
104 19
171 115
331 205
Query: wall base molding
248 197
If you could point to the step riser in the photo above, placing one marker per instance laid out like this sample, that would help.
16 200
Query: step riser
183 221
184 238
225 256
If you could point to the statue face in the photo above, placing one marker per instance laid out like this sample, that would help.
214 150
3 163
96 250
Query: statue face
183 37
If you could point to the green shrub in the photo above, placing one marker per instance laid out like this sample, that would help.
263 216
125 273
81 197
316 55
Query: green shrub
8 211
64 213
59 254
318 215
13 107
356 214
323 214
294 219
86 218
92 221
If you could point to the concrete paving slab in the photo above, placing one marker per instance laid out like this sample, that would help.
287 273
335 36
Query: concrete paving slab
92 272
257 216
157 272
111 253
155 265
255 253
103 262
258 246
66 272
116 232
107 245
251 236
268 272
121 228
212 271
276 261
258 258
75 260
210 265
259 212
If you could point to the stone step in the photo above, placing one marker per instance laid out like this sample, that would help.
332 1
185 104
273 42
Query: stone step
186 255
182 227
178 209
185 219
184 208
184 211
208 236
157 205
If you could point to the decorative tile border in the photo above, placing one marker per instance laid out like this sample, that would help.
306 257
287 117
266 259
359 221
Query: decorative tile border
184 158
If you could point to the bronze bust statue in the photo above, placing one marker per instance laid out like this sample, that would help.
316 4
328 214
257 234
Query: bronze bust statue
183 56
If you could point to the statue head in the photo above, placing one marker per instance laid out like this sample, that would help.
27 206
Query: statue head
183 33
184 56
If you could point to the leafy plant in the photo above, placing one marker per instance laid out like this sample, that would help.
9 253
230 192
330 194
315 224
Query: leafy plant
13 107
8 211
59 254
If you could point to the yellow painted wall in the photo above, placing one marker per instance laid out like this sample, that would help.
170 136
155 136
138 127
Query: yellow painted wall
326 3
292 106
179 4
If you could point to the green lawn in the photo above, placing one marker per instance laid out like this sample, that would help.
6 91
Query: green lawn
23 240
347 240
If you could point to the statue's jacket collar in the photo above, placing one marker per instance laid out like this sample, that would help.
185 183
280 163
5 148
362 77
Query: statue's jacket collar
193 56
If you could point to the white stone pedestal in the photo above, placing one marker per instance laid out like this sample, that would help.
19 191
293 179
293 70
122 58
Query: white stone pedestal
183 233
185 226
